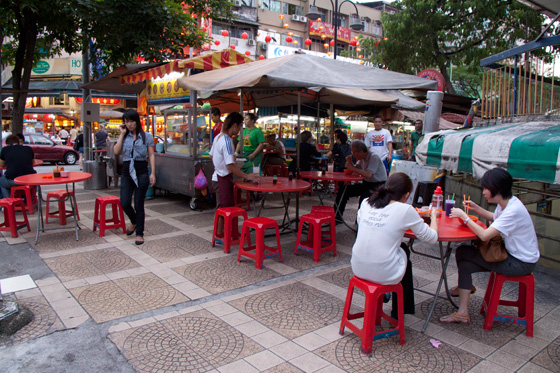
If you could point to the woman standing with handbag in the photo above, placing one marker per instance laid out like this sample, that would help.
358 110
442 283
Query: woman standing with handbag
512 221
137 148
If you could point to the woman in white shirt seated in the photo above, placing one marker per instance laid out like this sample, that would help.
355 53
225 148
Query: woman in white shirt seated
379 255
512 221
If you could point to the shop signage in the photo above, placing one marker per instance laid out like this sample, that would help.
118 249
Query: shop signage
41 67
101 101
433 75
344 34
166 91
274 51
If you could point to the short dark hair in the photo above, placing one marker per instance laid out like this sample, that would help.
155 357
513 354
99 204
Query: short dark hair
498 181
20 136
252 116
232 119
305 136
397 185
378 116
216 111
359 146
342 137
12 140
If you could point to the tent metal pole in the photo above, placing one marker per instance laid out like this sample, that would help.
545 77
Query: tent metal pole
298 138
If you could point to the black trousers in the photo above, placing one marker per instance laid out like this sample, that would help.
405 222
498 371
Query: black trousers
363 190
408 288
136 215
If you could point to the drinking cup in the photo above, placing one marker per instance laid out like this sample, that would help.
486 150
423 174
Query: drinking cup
449 204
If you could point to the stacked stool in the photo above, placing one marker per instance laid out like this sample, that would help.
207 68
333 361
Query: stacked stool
60 196
525 302
28 192
231 233
100 221
11 224
315 242
259 224
373 313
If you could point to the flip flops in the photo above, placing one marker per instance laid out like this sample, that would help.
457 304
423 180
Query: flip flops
457 318
454 291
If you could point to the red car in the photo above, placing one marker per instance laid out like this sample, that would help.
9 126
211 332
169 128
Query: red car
48 151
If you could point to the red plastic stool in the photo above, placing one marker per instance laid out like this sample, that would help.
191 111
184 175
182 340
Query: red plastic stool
315 243
230 216
60 197
237 201
260 224
10 222
525 302
30 195
326 210
373 312
117 218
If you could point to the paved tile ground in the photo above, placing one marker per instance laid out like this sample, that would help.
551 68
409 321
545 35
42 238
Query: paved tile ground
178 304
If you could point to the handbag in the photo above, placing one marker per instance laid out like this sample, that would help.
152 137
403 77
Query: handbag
493 250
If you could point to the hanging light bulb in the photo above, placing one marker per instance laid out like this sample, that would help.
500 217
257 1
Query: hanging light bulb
323 36
281 16
295 42
290 33
286 25
326 45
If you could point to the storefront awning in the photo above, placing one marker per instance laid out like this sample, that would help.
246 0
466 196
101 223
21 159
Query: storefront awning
527 150
218 60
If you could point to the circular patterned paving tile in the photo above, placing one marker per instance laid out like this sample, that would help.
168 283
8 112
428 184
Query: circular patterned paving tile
110 260
186 343
43 320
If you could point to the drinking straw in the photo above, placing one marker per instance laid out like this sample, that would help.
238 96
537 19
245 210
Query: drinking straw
453 198
468 206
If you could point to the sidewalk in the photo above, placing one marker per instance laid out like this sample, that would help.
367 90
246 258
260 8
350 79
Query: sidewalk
177 303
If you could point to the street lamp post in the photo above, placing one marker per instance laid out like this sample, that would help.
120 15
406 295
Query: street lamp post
355 23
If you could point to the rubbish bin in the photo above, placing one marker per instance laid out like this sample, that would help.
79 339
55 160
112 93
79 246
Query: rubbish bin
98 171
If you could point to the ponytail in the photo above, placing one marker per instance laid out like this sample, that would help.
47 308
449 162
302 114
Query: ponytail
394 189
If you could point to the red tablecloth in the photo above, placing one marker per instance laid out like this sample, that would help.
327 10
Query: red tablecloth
265 185
47 178
331 176
451 230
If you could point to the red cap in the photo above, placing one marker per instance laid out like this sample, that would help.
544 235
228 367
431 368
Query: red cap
438 190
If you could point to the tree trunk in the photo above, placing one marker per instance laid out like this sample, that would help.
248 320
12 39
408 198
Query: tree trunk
23 65
448 86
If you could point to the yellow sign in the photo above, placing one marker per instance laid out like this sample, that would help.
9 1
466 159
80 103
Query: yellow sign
162 91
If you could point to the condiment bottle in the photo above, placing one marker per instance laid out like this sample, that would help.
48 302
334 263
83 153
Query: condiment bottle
437 199
56 172
274 179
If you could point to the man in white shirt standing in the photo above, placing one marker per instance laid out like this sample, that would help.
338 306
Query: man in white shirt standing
379 141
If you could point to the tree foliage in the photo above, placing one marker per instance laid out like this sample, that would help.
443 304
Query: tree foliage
117 31
435 33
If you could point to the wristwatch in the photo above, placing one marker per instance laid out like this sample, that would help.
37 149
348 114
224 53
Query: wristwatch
467 220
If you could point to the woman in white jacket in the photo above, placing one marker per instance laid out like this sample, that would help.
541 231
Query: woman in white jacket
379 255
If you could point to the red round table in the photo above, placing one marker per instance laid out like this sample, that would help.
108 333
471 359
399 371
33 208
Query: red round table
284 185
449 230
47 178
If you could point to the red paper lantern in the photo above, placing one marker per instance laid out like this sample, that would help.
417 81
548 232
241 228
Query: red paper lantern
204 28
360 56
358 49
295 42
217 42
225 33
286 25
281 16
332 43
290 34
247 53
267 38
356 37
321 28
323 36
318 19
289 39
261 57
326 45
307 42
232 46
244 35
353 43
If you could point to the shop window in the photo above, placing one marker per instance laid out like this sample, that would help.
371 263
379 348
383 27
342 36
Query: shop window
377 29
56 100
290 9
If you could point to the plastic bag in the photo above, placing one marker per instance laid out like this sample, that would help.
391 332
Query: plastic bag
200 181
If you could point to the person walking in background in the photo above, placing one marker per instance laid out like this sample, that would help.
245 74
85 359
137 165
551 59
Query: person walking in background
18 160
63 134
224 163
415 138
137 148
217 120
73 133
383 219
79 147
252 143
380 142
101 137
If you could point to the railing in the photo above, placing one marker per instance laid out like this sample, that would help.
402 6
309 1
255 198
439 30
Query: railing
536 91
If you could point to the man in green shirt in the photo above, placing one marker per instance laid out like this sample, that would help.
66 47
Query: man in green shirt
415 137
252 140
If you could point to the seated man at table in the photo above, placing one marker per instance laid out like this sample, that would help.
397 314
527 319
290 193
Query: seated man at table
18 160
306 151
275 153
370 167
